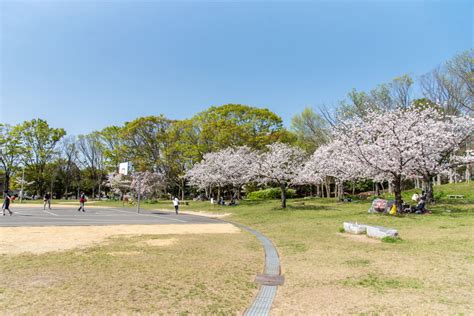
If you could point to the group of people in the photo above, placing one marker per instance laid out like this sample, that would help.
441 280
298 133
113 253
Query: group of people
385 206
8 197
221 201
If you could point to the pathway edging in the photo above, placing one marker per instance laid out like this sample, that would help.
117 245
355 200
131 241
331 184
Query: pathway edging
262 303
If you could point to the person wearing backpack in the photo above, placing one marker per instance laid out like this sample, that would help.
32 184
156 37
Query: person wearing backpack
82 202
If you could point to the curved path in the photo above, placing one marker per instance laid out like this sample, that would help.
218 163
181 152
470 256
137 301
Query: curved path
269 280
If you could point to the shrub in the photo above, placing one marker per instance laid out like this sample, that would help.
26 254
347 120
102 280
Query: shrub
438 195
391 240
270 194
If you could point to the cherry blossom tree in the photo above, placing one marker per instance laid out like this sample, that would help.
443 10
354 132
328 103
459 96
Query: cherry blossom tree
119 183
150 184
396 145
280 165
439 152
331 161
227 167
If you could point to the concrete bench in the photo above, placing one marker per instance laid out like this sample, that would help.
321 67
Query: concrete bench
371 231
455 196
354 228
381 232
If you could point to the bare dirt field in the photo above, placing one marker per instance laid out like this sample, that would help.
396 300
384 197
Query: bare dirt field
37 240
128 269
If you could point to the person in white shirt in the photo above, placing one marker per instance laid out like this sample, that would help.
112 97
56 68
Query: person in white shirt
176 204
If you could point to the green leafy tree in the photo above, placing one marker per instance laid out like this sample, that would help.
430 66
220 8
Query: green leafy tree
181 153
112 146
144 142
91 153
234 125
311 129
11 152
39 142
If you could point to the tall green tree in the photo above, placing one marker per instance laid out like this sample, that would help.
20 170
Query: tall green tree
113 146
311 129
91 152
144 142
233 125
181 153
11 152
39 141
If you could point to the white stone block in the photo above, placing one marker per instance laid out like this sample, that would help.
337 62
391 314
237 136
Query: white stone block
354 228
381 232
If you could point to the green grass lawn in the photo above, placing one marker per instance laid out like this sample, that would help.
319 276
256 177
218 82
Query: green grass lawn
430 270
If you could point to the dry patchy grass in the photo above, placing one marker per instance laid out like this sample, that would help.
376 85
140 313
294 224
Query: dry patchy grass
196 274
430 271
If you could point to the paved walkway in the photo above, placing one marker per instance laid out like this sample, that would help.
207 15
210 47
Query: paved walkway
266 294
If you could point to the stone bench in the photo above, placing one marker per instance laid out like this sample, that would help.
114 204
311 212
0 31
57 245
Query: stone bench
381 232
354 228
455 196
371 231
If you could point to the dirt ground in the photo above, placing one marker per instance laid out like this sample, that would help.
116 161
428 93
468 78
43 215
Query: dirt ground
37 240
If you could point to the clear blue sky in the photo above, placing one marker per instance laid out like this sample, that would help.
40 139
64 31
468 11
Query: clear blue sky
84 65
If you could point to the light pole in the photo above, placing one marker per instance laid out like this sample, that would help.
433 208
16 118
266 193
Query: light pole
139 191
22 184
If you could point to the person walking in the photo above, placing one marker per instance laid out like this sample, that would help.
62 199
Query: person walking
6 203
176 204
47 200
82 202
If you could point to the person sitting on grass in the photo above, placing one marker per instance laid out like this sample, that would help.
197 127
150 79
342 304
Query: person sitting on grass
420 207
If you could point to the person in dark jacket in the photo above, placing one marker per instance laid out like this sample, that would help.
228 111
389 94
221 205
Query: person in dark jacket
6 203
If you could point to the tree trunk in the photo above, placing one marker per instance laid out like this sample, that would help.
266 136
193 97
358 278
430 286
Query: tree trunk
468 173
390 189
438 179
397 189
328 188
377 190
283 195
428 188
318 192
7 181
183 185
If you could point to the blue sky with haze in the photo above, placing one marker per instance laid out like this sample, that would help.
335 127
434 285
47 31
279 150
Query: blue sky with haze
84 65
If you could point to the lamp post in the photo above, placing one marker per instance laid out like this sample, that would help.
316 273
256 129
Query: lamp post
22 184
139 178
